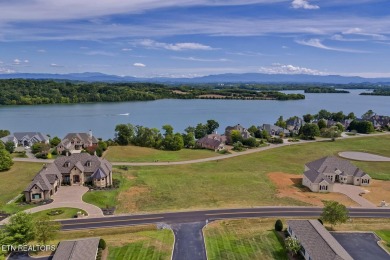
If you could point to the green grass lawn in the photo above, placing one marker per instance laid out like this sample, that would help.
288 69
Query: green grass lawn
142 154
135 242
104 199
385 236
14 181
234 182
67 213
243 239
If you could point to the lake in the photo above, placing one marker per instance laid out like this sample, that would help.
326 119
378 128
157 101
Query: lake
101 118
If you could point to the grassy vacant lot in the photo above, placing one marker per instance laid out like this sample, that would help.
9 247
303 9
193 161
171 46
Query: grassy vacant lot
67 213
14 181
235 182
138 242
243 239
143 154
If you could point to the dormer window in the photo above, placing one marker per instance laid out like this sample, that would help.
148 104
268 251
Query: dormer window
89 163
66 164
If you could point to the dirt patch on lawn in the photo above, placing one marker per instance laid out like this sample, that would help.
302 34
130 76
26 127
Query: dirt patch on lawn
290 185
378 191
128 199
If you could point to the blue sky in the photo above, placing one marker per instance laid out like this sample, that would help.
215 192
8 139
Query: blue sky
187 38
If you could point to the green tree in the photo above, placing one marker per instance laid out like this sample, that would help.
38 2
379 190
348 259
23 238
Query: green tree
238 146
40 148
250 142
351 116
252 130
236 136
323 114
368 114
281 123
310 131
265 134
321 124
102 145
363 127
55 141
20 229
293 245
338 117
278 225
189 140
5 158
124 134
340 127
334 213
46 230
168 130
308 118
212 125
200 130
9 146
4 133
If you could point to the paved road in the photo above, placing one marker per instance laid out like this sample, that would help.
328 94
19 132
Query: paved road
202 216
216 158
189 241
353 192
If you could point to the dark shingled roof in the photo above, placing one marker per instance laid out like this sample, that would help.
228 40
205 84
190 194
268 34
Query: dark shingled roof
85 138
209 142
332 163
316 177
317 241
39 136
82 249
99 174
45 178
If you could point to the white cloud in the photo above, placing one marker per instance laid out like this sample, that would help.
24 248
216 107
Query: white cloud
56 65
297 4
140 65
126 49
172 46
41 51
318 44
26 61
19 62
200 59
278 68
361 32
6 71
101 53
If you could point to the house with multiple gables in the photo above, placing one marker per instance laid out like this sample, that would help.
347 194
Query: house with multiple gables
75 142
317 243
273 130
321 174
228 131
77 169
380 122
26 138
214 142
294 124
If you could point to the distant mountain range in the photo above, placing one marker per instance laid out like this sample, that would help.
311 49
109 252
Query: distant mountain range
220 78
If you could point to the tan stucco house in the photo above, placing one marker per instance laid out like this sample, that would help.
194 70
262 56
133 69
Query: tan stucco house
77 169
321 174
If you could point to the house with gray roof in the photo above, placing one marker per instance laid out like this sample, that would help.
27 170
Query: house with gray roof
316 242
294 124
210 142
75 142
81 249
321 174
273 130
243 131
77 169
26 138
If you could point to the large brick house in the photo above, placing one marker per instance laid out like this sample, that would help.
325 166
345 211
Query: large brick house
77 169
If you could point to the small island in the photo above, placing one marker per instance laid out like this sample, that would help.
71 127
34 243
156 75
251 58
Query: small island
324 90
35 92
377 92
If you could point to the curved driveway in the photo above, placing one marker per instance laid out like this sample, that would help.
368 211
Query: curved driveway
367 157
